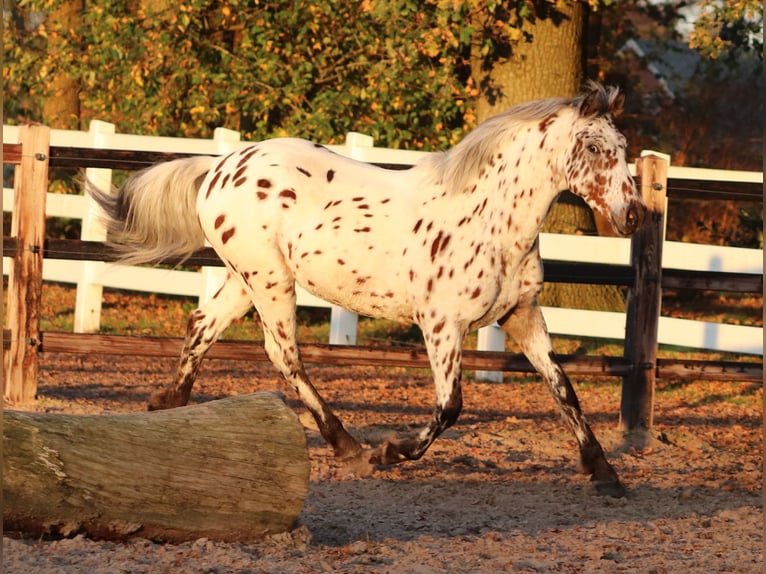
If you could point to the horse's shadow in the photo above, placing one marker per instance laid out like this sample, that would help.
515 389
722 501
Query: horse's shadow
338 513
475 498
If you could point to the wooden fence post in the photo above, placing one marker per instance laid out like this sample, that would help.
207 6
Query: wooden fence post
644 298
26 273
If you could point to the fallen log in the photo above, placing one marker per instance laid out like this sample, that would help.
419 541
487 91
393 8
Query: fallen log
234 469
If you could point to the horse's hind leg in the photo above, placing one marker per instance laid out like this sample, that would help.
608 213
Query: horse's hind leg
204 327
527 326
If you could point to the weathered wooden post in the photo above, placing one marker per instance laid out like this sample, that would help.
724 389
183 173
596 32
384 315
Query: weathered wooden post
25 278
644 298
234 469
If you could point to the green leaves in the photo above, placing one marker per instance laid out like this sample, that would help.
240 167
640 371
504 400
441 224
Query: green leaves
316 70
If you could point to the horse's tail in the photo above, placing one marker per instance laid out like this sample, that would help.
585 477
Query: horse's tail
153 215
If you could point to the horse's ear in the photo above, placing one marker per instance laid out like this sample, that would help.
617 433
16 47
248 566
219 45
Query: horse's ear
597 101
592 103
617 104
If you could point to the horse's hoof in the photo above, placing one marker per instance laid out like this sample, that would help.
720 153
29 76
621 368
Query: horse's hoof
163 400
155 406
158 405
611 488
389 452
359 464
606 480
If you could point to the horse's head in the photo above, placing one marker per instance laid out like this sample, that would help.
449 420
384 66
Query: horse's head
596 168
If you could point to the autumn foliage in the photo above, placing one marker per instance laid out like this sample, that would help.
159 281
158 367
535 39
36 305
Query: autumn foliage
394 70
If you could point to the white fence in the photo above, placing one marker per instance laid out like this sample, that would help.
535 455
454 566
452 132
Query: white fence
91 277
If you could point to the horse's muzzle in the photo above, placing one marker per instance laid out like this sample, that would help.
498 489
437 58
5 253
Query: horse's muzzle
634 217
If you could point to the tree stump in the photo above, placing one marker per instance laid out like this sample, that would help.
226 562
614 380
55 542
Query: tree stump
234 470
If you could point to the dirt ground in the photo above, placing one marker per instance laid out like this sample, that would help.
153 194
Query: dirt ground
499 492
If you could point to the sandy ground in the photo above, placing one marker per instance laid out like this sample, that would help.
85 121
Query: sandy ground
499 492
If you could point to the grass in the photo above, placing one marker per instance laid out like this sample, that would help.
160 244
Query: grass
702 393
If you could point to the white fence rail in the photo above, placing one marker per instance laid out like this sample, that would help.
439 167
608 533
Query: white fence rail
91 277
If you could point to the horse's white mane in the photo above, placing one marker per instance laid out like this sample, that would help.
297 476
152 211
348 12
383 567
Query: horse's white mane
456 167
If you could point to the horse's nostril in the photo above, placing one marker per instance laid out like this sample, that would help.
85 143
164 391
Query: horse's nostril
635 214
633 217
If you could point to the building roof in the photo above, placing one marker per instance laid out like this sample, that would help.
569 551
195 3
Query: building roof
672 63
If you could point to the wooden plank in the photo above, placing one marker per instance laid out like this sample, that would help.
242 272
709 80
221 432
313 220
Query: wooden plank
12 153
712 281
710 370
25 278
587 273
681 188
77 249
10 246
318 353
645 299
555 271
82 157
579 365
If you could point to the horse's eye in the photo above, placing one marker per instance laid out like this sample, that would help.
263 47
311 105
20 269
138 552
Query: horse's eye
593 148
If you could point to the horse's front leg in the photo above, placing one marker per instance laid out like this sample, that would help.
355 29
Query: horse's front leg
203 328
527 326
444 345
282 349
275 304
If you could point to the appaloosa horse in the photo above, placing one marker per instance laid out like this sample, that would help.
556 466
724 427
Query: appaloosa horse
450 245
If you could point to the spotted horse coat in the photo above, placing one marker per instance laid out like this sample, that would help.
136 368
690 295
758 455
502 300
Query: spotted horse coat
450 245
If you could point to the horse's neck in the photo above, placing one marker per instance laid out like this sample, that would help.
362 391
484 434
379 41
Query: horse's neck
525 194
513 176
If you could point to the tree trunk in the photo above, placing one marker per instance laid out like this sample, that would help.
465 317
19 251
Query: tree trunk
550 64
233 469
62 108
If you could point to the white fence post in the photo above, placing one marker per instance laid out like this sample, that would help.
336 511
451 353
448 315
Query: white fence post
87 311
490 338
213 277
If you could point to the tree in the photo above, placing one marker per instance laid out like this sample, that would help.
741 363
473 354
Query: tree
540 55
314 69
62 108
399 70
413 73
725 27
